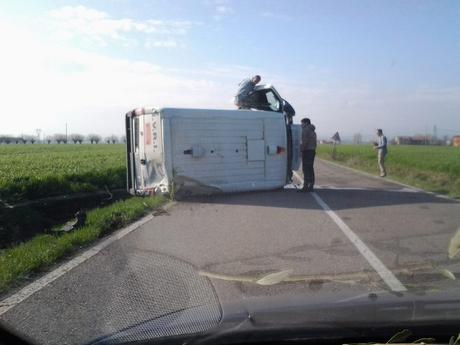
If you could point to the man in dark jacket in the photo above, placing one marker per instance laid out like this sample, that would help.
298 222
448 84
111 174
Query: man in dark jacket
245 90
308 149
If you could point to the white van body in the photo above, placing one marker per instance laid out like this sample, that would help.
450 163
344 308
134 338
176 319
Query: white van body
207 150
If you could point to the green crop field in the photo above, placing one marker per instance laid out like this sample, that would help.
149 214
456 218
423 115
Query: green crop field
434 168
30 172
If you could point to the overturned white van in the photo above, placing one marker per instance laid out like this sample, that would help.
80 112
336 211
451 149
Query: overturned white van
205 150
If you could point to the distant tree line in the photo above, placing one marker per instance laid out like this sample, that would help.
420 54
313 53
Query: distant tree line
60 138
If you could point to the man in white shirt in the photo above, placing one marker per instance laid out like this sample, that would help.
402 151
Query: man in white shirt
381 147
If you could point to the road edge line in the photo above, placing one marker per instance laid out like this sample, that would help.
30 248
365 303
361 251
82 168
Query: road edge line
30 289
387 276
420 190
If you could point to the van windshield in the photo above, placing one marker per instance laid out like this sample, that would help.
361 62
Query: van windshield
266 100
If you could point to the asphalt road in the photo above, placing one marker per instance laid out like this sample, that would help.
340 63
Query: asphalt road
372 236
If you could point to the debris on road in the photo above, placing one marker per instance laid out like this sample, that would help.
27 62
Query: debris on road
160 212
274 278
454 245
75 223
448 274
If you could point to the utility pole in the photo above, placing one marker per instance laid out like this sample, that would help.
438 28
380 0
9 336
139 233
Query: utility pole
66 132
39 132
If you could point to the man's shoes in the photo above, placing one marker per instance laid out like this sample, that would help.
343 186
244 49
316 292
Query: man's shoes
383 175
305 189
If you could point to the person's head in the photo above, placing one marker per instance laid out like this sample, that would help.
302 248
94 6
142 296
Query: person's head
379 132
256 79
305 121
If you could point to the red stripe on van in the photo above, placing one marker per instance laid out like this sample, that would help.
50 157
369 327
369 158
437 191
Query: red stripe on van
147 134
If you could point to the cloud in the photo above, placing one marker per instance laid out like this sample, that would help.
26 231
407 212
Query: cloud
222 9
269 14
168 43
89 91
353 107
98 27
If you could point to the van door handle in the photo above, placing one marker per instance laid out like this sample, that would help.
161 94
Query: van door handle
143 161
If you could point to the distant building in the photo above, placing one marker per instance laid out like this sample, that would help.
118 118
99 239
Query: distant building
456 141
414 140
417 140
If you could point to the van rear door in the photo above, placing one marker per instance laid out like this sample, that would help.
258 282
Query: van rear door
153 172
146 172
133 155
130 159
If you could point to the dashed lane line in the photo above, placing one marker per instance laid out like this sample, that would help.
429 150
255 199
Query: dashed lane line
387 276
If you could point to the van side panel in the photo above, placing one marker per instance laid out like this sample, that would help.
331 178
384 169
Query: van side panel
224 146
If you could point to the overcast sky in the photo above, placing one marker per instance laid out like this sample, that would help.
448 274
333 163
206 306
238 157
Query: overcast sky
350 66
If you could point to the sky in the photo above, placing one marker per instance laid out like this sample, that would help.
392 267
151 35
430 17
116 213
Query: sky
351 66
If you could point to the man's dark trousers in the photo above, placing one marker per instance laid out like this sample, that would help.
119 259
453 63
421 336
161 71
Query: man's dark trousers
308 158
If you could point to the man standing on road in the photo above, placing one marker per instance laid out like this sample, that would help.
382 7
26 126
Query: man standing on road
308 149
381 147
246 87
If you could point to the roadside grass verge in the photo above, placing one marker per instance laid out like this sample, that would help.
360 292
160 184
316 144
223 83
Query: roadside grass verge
432 168
39 253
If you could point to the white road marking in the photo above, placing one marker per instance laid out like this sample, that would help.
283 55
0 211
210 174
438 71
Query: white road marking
387 276
402 190
40 283
408 187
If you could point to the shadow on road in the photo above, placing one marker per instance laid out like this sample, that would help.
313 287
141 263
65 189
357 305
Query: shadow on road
280 198
337 199
350 199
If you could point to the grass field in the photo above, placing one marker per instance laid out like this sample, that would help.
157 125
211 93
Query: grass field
434 168
29 172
